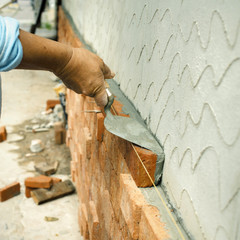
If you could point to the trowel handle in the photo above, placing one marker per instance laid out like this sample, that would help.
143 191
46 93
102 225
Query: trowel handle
110 100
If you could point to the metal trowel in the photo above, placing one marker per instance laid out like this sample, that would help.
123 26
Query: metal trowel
127 128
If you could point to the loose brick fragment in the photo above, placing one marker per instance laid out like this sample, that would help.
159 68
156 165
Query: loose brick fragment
45 168
58 190
60 133
56 180
28 191
38 182
100 126
51 103
87 143
9 191
3 133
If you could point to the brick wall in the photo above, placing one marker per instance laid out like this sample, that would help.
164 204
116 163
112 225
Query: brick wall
106 171
179 64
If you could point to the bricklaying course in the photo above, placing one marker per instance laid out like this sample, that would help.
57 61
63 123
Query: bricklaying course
108 170
161 160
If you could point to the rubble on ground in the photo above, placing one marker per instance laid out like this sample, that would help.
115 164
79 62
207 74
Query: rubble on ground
36 145
3 133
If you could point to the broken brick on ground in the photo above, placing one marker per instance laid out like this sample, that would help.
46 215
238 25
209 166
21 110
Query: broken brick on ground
9 191
3 133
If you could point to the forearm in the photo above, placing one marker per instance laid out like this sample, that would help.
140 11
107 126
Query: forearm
43 54
79 69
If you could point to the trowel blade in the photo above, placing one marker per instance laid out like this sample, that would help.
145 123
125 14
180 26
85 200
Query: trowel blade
130 130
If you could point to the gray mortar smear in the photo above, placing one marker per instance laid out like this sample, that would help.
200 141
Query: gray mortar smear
128 107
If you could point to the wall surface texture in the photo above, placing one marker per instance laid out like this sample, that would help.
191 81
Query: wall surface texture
179 63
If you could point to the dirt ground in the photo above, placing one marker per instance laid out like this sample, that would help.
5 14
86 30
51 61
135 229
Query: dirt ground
24 99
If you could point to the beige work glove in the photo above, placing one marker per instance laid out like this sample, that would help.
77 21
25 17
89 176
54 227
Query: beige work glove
85 73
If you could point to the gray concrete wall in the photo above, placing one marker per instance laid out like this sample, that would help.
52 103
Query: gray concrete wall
179 63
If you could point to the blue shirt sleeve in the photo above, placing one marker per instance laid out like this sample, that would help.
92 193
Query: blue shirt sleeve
11 51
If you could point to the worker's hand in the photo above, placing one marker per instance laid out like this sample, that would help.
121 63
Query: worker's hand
85 73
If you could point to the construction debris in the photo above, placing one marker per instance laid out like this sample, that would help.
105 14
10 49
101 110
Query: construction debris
9 191
60 133
38 182
3 133
45 168
58 190
40 130
36 145
13 137
37 128
51 219
51 103
47 112
30 154
28 191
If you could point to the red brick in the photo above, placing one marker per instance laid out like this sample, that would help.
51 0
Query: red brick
94 225
131 203
77 181
124 228
60 133
38 182
151 225
3 133
70 119
108 214
71 144
80 219
28 191
100 126
102 155
51 103
137 171
87 143
9 191
112 143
